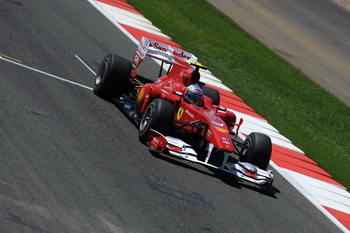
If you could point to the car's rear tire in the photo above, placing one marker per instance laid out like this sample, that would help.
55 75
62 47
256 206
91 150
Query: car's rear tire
112 78
258 150
159 115
212 93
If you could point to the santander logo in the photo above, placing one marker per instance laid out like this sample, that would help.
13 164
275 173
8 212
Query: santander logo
159 47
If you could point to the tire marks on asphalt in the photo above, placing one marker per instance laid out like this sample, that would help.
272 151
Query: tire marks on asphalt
191 197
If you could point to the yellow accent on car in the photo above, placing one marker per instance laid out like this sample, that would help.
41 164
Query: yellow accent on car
179 113
221 129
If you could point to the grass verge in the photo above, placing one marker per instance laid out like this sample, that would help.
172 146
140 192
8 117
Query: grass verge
313 119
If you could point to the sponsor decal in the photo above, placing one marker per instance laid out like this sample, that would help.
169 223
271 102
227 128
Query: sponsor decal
263 173
175 148
222 130
179 113
166 48
136 58
136 61
226 141
174 142
143 47
156 139
209 133
159 47
189 113
250 174
182 54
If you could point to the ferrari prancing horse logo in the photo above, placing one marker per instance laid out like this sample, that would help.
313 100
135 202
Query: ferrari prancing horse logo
179 113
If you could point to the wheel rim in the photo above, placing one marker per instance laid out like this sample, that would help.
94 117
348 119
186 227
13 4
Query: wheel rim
146 119
243 157
246 148
101 73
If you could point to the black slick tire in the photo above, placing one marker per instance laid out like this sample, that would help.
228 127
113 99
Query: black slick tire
159 115
213 94
112 78
258 150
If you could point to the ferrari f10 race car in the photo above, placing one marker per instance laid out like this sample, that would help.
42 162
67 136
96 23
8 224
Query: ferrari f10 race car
179 115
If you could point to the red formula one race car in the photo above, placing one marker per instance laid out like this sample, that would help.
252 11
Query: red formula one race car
178 115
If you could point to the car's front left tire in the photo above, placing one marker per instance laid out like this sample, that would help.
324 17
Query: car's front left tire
159 115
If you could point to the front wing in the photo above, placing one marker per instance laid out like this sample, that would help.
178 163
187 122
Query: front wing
178 148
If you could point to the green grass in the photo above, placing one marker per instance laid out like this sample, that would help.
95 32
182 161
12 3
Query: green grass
314 120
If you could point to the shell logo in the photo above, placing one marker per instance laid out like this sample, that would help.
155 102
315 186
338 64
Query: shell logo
222 130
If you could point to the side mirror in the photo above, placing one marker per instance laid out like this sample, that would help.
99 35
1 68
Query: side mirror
178 93
221 108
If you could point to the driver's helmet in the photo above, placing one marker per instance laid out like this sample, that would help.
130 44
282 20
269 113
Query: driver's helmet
193 94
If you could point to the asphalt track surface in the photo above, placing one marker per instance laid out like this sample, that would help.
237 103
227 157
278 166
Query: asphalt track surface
312 35
71 162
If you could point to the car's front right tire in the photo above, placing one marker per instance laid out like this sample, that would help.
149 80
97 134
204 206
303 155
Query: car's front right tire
258 150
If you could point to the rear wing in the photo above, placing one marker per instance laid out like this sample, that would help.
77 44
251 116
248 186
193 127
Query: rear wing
159 51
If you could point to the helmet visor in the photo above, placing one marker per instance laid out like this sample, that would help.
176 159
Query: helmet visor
195 98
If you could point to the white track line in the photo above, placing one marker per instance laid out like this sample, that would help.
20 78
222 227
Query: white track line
89 68
45 73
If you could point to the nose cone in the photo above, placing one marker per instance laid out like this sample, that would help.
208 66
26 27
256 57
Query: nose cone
219 135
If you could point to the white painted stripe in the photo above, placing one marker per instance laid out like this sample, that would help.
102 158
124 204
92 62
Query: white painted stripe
123 12
137 24
250 118
91 70
327 194
144 25
253 124
126 16
294 178
260 123
210 77
330 199
207 72
215 84
286 145
47 74
274 140
248 127
211 82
